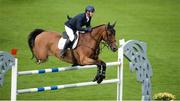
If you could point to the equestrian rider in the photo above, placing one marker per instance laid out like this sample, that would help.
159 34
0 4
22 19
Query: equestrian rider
75 24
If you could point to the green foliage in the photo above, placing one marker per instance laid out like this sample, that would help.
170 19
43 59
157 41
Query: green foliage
165 96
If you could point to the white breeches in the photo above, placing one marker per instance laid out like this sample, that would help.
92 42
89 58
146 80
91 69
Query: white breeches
70 33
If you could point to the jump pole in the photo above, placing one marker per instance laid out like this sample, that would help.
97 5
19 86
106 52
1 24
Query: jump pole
15 91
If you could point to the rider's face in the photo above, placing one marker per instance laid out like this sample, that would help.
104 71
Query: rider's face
90 14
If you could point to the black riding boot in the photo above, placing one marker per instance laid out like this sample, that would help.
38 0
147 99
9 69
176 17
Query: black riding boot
63 52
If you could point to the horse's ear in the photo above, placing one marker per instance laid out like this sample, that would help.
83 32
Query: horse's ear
108 25
114 24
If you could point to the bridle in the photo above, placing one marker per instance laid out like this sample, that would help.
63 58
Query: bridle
98 48
104 43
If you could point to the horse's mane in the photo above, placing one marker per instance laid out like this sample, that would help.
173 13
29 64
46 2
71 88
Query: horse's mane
98 26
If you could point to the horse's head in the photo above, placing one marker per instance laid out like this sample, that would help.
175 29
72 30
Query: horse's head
109 37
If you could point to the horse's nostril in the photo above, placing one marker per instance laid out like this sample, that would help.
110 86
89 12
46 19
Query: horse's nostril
114 49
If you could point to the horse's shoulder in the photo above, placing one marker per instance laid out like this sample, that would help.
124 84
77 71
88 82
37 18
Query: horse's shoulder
83 35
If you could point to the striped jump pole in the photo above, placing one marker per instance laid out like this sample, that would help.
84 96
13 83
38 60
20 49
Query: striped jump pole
40 89
61 69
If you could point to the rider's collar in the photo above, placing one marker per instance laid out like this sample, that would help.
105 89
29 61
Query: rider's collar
87 18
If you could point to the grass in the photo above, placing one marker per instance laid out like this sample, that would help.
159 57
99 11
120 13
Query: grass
156 22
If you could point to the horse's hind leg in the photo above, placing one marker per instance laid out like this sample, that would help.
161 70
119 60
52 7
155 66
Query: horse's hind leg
41 55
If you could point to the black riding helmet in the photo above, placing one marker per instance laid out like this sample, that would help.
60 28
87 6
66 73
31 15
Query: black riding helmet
90 8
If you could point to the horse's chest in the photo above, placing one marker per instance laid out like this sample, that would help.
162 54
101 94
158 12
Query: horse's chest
95 54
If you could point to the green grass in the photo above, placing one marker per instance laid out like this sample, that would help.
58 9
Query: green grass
157 22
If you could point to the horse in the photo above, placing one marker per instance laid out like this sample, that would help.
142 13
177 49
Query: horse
45 43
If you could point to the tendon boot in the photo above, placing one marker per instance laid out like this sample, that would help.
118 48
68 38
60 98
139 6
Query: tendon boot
63 52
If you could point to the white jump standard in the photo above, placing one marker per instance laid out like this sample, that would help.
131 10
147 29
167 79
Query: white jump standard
134 51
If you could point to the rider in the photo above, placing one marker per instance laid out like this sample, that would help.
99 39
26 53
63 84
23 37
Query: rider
75 24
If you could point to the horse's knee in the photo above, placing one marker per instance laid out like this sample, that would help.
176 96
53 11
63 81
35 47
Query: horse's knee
87 61
103 64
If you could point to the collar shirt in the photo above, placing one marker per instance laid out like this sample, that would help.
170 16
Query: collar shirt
87 18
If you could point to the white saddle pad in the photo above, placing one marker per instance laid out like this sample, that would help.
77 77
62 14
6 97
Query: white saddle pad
62 42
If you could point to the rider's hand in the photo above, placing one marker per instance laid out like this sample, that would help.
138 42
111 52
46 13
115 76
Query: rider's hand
88 29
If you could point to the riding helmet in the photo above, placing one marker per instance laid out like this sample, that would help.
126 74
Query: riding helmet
90 8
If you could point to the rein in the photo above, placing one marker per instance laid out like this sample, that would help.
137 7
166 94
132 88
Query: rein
105 44
99 46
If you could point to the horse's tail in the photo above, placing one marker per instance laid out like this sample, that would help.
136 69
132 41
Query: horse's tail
31 39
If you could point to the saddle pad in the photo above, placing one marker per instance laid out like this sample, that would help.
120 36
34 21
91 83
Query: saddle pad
62 42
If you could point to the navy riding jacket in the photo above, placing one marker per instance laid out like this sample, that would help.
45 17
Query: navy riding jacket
78 21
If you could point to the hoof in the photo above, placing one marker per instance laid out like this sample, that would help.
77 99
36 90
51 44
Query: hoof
38 62
96 77
100 79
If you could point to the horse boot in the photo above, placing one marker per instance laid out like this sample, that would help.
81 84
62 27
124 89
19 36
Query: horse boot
102 73
103 70
63 52
98 72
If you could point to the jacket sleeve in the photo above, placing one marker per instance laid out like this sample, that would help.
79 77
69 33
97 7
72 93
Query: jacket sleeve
78 25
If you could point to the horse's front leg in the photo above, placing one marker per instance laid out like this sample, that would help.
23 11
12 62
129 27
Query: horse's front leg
101 68
101 74
97 77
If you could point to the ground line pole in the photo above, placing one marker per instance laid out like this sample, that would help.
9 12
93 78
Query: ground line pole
14 81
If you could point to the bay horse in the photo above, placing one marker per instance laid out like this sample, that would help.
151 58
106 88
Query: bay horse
45 43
